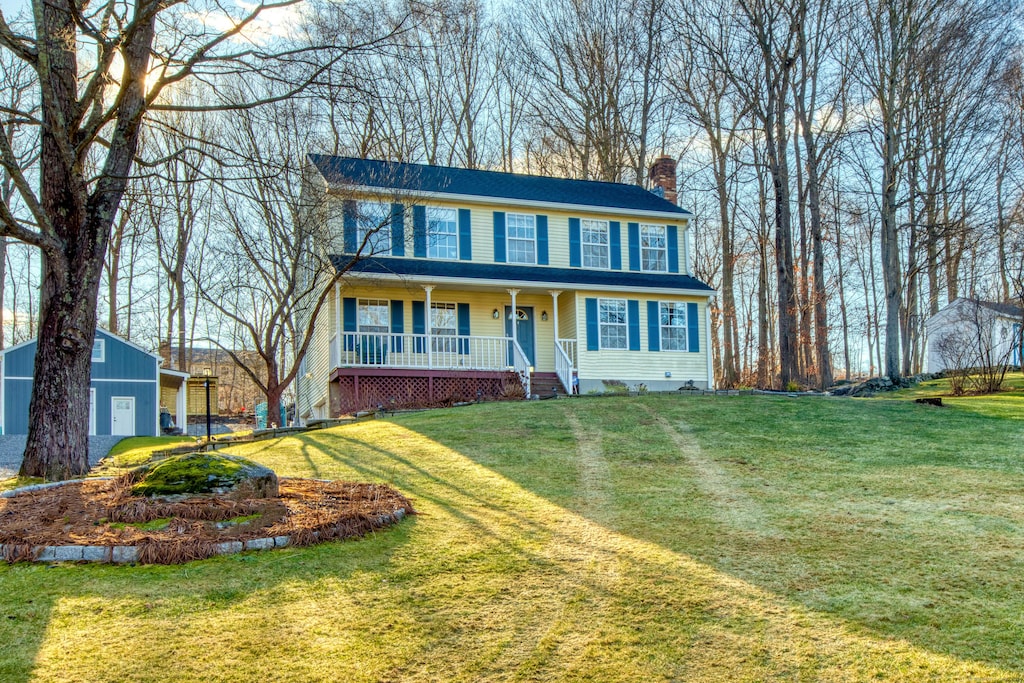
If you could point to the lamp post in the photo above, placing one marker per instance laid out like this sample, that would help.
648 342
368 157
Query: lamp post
206 385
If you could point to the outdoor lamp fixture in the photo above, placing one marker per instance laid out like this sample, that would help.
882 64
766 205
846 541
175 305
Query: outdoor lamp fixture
495 314
544 316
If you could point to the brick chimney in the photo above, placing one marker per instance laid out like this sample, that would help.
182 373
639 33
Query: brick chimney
663 175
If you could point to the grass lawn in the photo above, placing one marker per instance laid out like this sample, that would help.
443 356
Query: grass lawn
655 538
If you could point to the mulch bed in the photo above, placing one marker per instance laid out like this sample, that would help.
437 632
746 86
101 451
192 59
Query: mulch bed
104 512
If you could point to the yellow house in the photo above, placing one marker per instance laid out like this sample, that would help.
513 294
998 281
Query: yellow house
466 284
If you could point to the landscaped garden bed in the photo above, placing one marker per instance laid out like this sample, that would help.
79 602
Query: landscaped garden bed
104 520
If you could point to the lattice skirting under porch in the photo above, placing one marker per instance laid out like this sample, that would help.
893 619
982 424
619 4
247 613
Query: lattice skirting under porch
356 389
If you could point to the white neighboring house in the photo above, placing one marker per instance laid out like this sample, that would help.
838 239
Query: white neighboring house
981 331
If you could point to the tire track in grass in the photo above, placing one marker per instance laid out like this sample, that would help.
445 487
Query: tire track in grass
594 470
731 505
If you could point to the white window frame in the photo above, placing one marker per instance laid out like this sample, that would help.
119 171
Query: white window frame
442 337
602 324
450 236
520 223
592 226
645 249
101 346
680 308
374 216
363 305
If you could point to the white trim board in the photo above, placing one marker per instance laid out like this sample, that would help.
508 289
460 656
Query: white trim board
99 379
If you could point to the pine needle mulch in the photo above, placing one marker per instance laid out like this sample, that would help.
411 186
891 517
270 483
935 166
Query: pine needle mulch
105 513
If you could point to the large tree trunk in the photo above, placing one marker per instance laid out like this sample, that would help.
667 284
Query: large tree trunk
57 446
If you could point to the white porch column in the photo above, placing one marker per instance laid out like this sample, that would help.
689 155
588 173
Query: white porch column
181 410
554 311
337 324
514 292
426 327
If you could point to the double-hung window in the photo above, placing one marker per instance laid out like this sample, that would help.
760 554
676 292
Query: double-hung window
594 243
443 326
612 321
653 248
374 320
99 350
672 321
373 226
442 233
522 238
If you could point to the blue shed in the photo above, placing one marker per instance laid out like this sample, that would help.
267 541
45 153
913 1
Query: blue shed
124 394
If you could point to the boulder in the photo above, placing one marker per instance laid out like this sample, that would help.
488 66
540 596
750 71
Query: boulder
191 474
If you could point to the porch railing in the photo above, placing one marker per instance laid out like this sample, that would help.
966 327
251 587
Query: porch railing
564 368
568 347
433 352
522 365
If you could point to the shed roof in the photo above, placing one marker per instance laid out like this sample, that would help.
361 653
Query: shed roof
442 180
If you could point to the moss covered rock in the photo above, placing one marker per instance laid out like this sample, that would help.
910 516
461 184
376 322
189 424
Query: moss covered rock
207 473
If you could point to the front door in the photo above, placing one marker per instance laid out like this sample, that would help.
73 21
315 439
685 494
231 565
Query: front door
122 416
524 331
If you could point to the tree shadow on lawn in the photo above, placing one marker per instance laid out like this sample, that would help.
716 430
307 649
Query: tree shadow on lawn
915 592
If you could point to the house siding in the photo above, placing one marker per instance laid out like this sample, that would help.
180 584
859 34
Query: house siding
643 366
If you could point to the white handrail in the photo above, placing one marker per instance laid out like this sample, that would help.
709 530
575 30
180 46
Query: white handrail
563 368
521 365
569 347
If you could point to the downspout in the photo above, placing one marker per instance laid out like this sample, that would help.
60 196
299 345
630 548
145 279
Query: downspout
707 347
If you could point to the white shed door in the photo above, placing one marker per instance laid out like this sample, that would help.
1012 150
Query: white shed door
122 415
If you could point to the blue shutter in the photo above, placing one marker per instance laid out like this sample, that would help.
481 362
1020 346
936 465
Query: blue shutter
499 236
673 248
634 246
397 230
419 231
593 331
615 245
465 236
462 315
349 322
397 325
633 323
575 248
653 326
419 324
693 328
542 240
348 212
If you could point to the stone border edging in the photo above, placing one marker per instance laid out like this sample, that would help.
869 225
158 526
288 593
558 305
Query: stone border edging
127 554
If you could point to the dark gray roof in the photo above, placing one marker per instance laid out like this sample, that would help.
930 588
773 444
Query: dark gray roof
461 181
388 265
1004 309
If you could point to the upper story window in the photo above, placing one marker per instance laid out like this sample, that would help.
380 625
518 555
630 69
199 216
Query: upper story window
653 248
672 316
373 315
522 238
442 233
373 224
594 243
99 350
612 321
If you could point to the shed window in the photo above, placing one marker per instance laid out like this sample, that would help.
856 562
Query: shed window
612 320
99 351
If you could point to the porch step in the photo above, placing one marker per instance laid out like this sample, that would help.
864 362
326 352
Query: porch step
546 385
